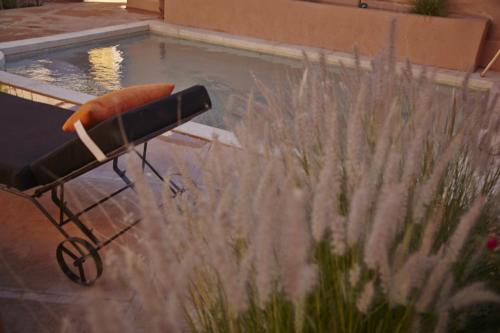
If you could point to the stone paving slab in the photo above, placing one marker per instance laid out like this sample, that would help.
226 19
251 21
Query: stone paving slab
35 296
55 18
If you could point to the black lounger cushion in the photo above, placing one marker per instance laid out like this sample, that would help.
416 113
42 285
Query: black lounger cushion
66 154
28 131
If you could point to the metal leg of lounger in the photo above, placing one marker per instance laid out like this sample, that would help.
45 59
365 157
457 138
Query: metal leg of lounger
74 255
174 188
144 153
34 199
84 267
122 173
58 200
65 255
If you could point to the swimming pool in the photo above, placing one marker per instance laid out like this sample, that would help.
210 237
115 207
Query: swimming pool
99 67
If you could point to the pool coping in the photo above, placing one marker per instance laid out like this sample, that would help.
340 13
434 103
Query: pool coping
190 128
71 38
441 76
7 49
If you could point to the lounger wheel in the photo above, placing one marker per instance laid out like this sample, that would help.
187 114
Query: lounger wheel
79 261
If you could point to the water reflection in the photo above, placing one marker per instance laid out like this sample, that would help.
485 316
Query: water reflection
163 50
106 66
102 66
40 71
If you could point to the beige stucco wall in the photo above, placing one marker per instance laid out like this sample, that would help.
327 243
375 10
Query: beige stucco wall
484 8
475 8
443 42
149 5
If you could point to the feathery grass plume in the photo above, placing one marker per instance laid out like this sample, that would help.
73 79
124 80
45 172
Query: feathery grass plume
325 198
363 196
355 141
354 275
298 275
473 294
417 133
265 266
242 210
430 229
389 215
445 293
429 291
359 209
346 207
366 297
462 232
450 255
410 277
442 324
338 235
428 190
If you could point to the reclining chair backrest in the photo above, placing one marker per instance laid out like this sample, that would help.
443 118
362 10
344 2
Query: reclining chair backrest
114 135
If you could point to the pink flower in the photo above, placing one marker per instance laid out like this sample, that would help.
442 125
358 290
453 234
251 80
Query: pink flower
492 242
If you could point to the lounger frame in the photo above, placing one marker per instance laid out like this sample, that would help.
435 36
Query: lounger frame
78 257
74 252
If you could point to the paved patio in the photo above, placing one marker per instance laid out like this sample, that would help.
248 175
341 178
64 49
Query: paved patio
35 296
55 18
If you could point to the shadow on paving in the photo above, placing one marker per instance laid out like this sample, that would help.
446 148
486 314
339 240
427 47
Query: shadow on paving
35 296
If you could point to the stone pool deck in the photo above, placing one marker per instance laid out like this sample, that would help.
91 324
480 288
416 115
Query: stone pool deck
35 296
55 18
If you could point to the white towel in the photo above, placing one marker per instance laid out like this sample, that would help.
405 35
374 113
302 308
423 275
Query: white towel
88 142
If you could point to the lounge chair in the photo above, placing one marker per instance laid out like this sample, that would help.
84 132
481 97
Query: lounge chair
37 157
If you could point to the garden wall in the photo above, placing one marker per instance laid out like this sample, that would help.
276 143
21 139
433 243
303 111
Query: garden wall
483 8
453 43
149 5
473 8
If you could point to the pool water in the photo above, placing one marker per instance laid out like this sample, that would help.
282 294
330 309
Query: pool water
100 67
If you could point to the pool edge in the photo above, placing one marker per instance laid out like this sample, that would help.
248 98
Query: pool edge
71 38
441 76
191 128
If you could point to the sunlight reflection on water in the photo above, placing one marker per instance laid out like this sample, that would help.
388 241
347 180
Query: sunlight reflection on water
100 67
106 67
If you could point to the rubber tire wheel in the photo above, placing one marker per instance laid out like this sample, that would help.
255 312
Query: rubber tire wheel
89 252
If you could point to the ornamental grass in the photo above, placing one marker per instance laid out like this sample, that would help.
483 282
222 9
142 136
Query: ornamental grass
357 201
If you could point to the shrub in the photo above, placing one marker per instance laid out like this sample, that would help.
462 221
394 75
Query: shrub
429 7
9 4
357 202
